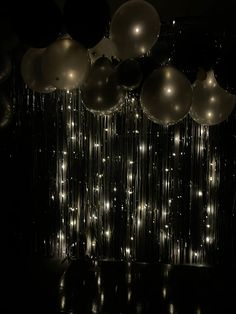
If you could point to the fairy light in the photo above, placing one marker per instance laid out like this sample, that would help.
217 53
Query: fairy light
172 309
102 298
63 302
164 292
142 148
108 233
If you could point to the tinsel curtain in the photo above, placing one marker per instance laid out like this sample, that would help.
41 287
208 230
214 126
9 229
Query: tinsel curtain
121 187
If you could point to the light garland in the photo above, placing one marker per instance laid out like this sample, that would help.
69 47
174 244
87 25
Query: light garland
138 195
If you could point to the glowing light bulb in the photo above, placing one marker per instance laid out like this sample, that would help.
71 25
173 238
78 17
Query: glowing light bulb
127 250
137 30
209 114
164 292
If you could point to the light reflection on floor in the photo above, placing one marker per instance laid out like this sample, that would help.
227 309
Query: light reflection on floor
140 288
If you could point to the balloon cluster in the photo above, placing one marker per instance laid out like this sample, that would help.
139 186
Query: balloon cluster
69 50
83 58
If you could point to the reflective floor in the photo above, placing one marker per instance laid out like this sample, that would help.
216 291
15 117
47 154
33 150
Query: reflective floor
139 288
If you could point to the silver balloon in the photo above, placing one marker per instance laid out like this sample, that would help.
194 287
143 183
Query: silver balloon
32 73
129 74
65 64
166 96
211 104
101 93
5 111
105 48
135 28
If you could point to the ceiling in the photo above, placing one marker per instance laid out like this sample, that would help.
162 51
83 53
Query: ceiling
222 12
181 8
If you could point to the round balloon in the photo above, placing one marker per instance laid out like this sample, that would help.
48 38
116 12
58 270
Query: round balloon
5 67
211 104
129 74
166 96
65 64
101 92
5 111
32 73
135 28
87 20
105 48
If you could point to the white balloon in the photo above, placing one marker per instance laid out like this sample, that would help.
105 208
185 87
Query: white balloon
105 48
135 28
65 63
31 71
211 104
166 96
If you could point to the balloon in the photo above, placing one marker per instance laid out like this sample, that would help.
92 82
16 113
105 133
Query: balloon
105 48
100 92
166 96
211 104
65 63
135 28
87 20
38 23
5 67
225 69
5 110
129 74
32 73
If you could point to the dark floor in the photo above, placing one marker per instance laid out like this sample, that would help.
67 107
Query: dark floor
81 287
